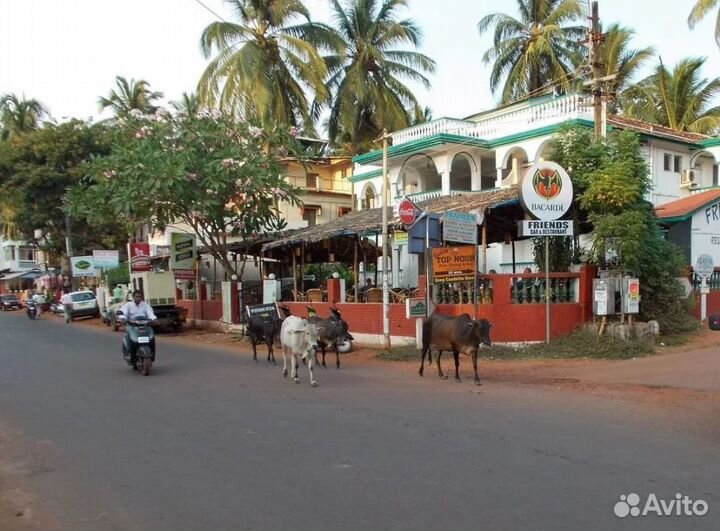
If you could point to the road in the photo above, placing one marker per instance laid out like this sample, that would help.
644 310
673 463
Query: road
212 440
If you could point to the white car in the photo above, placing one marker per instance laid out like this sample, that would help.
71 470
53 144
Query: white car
84 304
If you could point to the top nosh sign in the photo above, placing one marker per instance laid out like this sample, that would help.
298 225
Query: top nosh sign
407 211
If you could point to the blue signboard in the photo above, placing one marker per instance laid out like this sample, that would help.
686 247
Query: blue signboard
416 233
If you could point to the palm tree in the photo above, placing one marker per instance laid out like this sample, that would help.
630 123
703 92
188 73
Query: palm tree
130 95
19 115
188 104
264 62
421 115
366 79
680 98
536 50
700 10
620 60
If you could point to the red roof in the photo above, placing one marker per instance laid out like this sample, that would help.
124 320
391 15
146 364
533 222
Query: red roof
654 129
687 206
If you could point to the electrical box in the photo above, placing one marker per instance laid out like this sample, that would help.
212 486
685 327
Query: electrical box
604 296
630 293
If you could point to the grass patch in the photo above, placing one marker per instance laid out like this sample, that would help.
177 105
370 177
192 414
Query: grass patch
580 344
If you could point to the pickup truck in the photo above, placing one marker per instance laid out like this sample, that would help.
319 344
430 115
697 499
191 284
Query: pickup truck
159 292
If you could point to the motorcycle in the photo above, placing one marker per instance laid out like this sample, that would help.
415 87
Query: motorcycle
31 309
139 345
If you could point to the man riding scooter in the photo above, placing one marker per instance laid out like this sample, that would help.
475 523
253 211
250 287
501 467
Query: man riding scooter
130 313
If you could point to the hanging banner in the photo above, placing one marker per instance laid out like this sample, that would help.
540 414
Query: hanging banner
106 259
140 257
82 266
563 227
454 264
183 255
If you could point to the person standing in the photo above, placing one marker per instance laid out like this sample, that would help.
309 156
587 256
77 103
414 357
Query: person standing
66 301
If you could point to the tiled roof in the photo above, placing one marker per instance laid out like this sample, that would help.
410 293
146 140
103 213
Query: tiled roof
683 208
644 127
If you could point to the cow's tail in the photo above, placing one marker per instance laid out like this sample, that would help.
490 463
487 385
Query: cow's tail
426 338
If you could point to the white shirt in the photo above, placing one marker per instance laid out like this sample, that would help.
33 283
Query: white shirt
66 299
131 311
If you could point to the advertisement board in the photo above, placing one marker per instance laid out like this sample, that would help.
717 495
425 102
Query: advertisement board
454 264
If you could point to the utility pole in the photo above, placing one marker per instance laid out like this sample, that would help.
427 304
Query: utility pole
385 243
595 41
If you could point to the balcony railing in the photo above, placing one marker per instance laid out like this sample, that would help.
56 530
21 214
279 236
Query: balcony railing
338 186
27 264
434 194
501 124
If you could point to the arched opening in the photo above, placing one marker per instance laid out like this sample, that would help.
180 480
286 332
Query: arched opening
516 160
461 172
368 198
543 151
418 174
704 166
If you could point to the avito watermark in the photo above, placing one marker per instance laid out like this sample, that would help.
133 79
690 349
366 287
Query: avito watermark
678 506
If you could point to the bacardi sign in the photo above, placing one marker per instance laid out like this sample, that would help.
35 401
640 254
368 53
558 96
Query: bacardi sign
546 191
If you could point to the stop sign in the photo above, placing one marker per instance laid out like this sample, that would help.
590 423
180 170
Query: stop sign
407 211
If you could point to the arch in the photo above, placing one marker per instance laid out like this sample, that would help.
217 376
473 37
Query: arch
542 150
515 153
368 196
462 169
695 156
417 174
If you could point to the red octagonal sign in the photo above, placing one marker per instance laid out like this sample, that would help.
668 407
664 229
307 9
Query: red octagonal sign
407 211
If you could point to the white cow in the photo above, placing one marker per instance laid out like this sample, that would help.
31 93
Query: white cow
298 337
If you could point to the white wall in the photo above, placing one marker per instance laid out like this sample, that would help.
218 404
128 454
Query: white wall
705 233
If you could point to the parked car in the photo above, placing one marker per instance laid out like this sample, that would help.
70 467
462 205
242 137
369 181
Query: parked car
10 302
84 304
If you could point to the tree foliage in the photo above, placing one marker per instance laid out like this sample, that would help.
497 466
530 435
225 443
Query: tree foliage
536 49
700 10
130 95
611 181
36 169
19 115
220 177
368 72
680 98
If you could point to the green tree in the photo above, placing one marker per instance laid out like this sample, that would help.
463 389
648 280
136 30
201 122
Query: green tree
611 180
620 60
367 75
700 10
221 178
681 99
19 115
263 63
535 50
35 172
188 104
129 95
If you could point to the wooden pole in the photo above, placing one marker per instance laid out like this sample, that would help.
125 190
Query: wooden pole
294 273
484 244
302 267
595 40
356 274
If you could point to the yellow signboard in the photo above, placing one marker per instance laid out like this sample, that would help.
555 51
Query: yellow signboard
454 264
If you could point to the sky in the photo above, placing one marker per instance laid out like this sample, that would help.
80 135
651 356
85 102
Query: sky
66 53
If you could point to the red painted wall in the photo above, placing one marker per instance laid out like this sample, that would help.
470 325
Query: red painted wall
362 317
210 310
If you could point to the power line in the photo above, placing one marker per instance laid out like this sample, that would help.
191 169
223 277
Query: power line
210 10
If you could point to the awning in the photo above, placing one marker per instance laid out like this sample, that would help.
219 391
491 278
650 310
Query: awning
12 275
32 275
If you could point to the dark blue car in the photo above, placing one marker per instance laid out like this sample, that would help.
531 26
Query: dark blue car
9 302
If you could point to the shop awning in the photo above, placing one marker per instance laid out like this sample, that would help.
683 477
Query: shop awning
32 275
12 275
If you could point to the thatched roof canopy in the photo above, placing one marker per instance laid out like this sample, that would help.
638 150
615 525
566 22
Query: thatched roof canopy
502 204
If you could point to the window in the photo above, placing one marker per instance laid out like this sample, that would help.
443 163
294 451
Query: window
310 214
343 210
667 162
311 180
369 199
82 297
343 173
678 163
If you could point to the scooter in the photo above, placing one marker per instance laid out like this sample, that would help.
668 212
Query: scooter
31 309
138 346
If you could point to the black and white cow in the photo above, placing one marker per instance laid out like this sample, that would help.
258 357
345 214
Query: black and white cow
260 330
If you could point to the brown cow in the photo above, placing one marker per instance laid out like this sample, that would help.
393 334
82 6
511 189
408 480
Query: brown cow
458 334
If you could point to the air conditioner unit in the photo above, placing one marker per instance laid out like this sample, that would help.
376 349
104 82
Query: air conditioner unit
687 178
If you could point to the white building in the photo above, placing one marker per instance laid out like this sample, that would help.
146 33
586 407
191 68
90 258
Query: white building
492 149
17 262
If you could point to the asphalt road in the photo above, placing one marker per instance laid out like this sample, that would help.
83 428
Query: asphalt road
214 441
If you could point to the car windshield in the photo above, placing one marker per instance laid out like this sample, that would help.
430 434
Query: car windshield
82 297
9 298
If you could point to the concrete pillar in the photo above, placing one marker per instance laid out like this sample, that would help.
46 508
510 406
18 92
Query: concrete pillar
499 180
475 180
445 178
333 290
